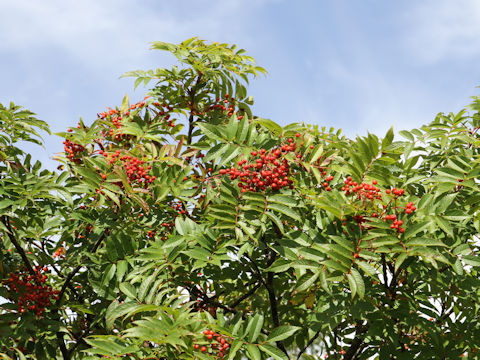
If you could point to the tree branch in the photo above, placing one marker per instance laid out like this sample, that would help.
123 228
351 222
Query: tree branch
310 342
357 343
273 303
17 246
77 269
191 92
246 295
63 347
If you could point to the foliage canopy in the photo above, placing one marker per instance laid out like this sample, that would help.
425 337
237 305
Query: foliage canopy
185 227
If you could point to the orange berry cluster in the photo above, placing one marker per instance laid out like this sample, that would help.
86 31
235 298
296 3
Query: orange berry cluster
221 104
178 207
73 150
395 191
268 171
221 345
116 117
136 171
363 190
409 208
60 253
33 294
165 112
396 224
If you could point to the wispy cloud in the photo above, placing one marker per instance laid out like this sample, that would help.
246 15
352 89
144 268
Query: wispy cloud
98 31
443 29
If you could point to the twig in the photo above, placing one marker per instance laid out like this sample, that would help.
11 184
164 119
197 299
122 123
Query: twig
17 246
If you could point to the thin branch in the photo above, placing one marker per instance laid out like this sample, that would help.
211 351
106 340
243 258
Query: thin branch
310 342
273 303
192 101
17 246
77 269
357 344
245 296
63 347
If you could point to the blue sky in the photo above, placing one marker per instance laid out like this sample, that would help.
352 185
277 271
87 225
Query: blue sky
356 65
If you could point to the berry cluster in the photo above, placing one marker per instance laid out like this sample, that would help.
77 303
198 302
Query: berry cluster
116 116
268 171
135 169
396 224
178 207
30 291
218 343
363 190
395 191
60 253
409 208
222 105
73 149
164 110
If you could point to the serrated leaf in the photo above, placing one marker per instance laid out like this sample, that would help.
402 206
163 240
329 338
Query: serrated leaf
254 327
270 125
237 344
307 281
273 351
359 282
284 210
128 289
254 352
353 284
282 332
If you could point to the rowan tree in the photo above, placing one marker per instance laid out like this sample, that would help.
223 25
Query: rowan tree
184 227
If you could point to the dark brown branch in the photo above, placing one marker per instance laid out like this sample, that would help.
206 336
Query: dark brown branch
192 92
310 342
17 246
77 269
273 302
245 296
357 344
63 347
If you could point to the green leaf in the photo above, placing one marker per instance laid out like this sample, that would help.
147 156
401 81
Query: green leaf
280 265
269 125
237 344
315 154
387 140
273 351
412 230
353 284
307 280
254 327
282 332
360 285
128 289
472 260
254 352
407 135
284 210
421 241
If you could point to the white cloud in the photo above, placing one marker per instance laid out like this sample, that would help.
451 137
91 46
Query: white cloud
440 29
95 32
362 98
